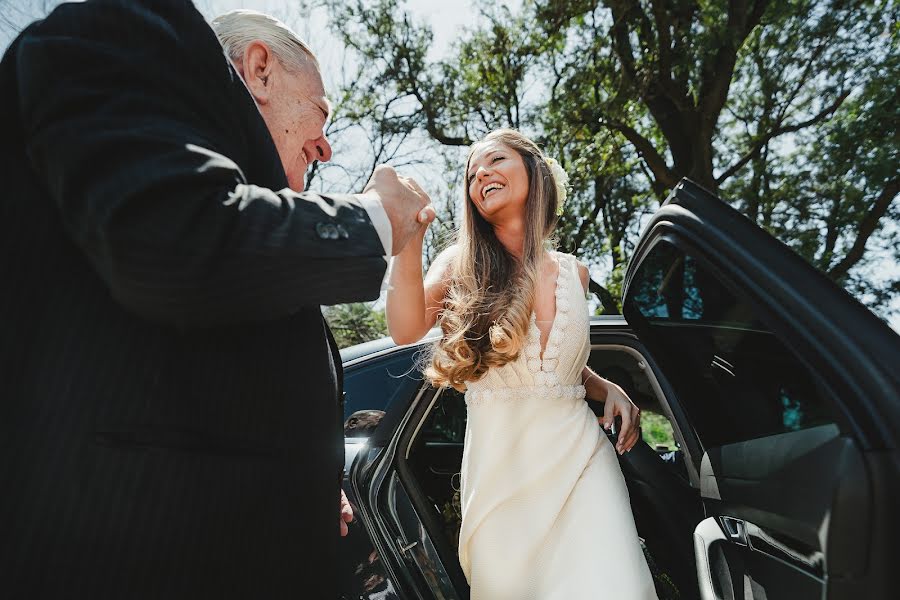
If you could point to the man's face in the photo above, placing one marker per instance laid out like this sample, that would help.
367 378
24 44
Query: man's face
293 105
296 115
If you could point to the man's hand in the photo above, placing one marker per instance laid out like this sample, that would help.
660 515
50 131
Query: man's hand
618 403
346 514
406 204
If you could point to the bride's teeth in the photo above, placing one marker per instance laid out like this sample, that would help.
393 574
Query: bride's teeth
491 188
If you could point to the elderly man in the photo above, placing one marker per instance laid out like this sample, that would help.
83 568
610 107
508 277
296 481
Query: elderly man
169 400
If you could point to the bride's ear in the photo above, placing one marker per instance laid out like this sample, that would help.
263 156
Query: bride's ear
257 66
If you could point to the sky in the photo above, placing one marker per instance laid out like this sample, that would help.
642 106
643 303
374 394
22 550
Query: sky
446 18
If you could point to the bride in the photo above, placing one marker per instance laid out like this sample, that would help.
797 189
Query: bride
545 510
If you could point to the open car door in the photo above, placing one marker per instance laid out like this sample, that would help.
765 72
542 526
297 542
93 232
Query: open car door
792 389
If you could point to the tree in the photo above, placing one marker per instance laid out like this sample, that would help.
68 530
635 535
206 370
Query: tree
15 15
355 323
782 108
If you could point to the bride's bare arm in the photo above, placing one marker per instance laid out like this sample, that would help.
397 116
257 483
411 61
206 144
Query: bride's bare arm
412 304
614 398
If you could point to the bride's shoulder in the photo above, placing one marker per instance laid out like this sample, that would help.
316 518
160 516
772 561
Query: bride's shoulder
584 274
440 266
446 256
448 253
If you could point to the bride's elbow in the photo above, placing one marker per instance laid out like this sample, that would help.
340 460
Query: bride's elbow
403 337
400 336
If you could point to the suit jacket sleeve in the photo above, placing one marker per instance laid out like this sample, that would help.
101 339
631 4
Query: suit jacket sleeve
141 146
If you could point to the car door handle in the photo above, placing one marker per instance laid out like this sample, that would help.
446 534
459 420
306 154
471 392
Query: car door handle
735 529
404 547
445 472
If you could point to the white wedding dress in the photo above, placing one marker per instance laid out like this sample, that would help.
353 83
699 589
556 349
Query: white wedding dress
545 510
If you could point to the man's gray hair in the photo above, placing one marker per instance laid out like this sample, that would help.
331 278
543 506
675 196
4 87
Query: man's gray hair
237 29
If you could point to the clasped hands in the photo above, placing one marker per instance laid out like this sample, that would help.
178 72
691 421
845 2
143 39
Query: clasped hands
406 204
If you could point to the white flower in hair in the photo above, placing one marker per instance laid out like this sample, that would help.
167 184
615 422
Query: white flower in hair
561 180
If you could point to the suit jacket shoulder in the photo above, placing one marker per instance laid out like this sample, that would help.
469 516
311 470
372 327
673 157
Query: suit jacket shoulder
165 175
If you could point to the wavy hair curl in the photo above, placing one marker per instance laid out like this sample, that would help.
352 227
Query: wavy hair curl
490 297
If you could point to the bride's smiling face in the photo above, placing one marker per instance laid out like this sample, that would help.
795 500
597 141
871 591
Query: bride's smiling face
497 182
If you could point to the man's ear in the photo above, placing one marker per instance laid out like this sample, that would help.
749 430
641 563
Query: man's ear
257 66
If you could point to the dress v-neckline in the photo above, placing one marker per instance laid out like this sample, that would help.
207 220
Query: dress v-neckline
542 347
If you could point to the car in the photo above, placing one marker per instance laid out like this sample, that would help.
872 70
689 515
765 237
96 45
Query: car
777 393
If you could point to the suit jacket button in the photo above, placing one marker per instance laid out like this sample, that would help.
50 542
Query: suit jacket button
342 232
327 231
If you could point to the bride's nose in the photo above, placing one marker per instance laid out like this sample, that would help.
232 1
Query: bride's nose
482 172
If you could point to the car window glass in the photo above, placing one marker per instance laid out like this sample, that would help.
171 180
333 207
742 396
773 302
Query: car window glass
446 422
378 382
629 373
736 379
657 431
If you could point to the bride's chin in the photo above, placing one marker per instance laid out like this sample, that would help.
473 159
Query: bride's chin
491 204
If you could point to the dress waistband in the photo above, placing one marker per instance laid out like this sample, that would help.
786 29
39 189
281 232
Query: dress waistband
508 394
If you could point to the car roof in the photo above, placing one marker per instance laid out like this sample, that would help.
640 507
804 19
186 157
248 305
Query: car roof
353 353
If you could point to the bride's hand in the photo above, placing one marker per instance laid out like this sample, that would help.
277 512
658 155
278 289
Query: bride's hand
405 204
425 217
618 403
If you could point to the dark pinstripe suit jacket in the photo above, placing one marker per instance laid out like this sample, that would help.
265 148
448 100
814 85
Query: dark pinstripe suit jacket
168 414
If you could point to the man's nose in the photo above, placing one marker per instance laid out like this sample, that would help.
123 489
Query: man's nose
322 149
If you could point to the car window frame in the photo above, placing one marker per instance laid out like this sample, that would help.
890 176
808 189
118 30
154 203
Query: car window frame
393 413
744 288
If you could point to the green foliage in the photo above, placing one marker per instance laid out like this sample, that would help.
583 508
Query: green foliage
657 431
787 109
355 323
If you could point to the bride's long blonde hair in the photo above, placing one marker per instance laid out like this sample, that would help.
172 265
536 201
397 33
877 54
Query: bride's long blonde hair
487 310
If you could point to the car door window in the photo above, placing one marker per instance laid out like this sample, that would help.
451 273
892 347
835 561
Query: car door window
628 372
378 382
734 376
446 423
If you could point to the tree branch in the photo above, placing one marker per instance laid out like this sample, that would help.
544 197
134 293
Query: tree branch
657 164
663 22
762 141
619 32
866 228
719 71
610 306
588 222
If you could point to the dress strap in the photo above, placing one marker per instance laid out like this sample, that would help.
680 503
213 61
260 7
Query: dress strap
566 261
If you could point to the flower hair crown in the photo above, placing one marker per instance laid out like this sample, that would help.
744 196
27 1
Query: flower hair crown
560 180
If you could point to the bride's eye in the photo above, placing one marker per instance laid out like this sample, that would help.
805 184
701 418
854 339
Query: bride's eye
496 158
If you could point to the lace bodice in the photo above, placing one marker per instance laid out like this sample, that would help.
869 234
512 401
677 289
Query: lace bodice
556 372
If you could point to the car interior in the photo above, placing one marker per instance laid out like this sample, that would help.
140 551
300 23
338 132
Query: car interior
666 507
766 419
